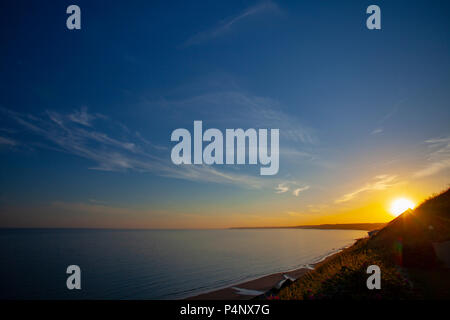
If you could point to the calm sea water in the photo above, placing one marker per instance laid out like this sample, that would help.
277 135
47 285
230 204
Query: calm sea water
153 264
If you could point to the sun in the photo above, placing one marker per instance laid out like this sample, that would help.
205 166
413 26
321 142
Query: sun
400 205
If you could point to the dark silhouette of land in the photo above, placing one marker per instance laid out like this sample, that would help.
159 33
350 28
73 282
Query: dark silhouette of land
412 251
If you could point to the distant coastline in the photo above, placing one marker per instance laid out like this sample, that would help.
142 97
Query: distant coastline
340 226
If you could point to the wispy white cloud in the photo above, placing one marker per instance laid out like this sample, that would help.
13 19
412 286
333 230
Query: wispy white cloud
377 131
297 191
226 25
438 157
7 141
210 174
236 108
132 152
380 128
83 117
281 188
291 185
380 182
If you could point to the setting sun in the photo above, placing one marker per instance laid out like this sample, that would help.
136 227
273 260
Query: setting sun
400 205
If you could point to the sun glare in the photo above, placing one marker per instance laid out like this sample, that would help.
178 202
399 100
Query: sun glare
400 205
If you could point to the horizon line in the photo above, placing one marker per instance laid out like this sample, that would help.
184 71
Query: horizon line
186 229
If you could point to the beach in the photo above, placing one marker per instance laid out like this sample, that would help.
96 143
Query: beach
262 285
253 288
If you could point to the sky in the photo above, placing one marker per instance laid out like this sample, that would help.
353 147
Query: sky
86 115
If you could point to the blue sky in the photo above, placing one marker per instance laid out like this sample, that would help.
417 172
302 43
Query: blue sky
86 115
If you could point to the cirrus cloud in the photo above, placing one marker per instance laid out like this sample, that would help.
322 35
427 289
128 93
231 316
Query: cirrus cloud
380 182
438 157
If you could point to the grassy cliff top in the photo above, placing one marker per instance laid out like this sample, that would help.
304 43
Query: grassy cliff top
404 251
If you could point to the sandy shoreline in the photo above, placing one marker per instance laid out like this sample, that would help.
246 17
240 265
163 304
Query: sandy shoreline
263 284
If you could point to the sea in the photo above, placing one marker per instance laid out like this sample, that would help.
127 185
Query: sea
153 264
